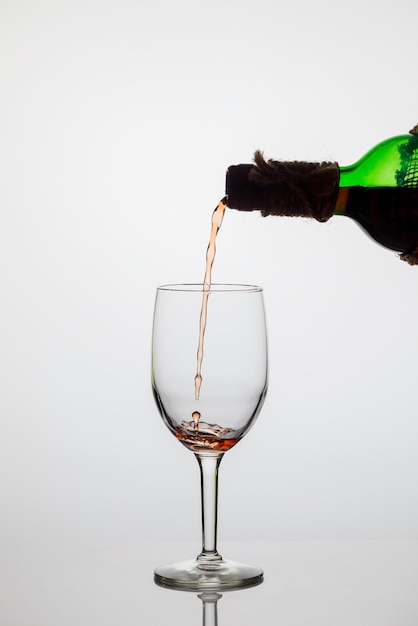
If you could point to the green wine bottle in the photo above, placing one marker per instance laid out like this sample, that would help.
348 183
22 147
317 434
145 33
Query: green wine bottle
379 191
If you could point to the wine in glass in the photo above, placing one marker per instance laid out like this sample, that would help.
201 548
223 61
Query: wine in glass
209 380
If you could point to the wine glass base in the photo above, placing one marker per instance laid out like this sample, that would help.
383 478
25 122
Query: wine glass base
220 575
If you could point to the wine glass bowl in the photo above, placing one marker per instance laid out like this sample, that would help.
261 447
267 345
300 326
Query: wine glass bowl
209 379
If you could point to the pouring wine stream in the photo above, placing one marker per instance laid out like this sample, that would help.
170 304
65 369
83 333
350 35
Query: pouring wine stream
217 217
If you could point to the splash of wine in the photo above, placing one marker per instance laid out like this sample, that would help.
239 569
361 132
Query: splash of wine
196 418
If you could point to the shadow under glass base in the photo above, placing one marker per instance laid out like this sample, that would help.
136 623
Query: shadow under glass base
195 575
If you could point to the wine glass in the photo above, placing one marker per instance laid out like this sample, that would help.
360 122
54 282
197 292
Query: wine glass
209 379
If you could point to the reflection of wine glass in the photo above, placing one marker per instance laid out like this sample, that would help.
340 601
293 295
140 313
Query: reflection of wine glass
210 599
211 419
210 608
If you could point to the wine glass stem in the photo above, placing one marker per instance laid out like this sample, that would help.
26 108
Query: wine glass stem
209 464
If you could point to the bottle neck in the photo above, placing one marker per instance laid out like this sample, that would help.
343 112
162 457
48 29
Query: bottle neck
342 201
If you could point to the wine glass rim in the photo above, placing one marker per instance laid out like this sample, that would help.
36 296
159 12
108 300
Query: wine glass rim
213 287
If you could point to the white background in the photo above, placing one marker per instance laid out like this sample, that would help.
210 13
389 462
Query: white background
118 120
